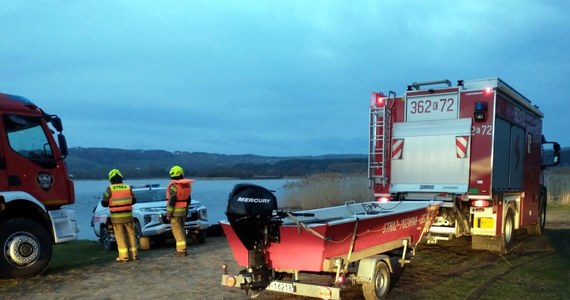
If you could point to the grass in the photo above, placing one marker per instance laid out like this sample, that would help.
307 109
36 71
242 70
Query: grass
77 254
538 267
327 189
330 189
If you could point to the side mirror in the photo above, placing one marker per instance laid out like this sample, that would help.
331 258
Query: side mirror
556 157
62 145
56 122
555 154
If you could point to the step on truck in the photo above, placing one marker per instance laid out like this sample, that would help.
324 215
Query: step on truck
34 188
477 146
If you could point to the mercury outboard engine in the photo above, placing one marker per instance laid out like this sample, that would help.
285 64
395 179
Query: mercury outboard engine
252 213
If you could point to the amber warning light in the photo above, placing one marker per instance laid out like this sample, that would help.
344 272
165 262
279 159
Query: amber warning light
377 99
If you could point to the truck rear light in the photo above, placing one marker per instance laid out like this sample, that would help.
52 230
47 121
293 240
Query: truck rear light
377 100
480 203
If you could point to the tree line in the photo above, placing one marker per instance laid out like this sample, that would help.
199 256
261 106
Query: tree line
95 163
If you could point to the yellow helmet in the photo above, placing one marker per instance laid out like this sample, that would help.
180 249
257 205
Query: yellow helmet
114 172
176 171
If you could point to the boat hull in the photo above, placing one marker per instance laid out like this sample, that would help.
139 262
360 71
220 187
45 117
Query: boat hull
349 232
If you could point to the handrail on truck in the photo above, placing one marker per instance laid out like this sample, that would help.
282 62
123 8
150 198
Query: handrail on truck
417 85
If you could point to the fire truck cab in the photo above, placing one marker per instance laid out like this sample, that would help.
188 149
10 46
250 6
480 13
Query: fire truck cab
477 146
34 188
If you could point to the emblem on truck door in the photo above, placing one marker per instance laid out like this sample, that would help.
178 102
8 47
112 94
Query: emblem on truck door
45 181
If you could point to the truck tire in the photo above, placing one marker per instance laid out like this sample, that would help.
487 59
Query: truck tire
198 237
105 239
26 248
508 230
379 287
201 236
538 228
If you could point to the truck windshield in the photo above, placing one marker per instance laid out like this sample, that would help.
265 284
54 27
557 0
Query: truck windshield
154 195
26 137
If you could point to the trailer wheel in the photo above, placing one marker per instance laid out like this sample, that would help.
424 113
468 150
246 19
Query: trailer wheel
380 285
105 239
508 230
26 248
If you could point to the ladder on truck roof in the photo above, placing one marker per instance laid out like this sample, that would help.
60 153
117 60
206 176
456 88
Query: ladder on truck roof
380 135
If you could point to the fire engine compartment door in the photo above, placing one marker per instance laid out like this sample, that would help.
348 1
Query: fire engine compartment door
430 161
508 156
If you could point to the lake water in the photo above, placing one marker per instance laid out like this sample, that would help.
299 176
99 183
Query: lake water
211 193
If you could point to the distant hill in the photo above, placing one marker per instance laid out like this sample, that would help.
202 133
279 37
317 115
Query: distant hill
95 163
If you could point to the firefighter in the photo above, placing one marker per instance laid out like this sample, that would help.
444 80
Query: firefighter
178 197
120 199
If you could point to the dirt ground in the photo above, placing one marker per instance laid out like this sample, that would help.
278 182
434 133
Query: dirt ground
160 275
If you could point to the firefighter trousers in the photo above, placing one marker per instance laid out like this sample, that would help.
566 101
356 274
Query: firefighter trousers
177 225
126 240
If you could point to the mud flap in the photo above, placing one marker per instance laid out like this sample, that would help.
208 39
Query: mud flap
491 243
367 267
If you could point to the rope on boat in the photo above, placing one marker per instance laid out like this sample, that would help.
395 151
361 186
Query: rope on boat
427 223
351 246
309 229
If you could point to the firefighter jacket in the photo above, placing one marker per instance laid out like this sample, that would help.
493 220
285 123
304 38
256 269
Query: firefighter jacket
178 196
120 201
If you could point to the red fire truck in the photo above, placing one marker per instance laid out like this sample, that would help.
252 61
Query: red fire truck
34 187
477 146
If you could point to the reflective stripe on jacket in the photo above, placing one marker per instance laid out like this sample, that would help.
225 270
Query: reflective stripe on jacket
183 189
121 203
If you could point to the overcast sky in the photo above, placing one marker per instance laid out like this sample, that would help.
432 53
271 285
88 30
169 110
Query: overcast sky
268 77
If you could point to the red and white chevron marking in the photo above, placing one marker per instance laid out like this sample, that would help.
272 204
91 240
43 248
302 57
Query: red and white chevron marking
461 146
397 148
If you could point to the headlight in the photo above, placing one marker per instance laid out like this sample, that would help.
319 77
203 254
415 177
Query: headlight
147 218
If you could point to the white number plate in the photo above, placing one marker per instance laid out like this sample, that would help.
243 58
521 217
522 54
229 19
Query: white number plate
432 107
281 287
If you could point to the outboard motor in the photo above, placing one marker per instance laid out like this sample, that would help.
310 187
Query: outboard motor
252 213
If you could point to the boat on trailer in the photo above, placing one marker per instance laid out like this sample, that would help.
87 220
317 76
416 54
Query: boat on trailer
350 242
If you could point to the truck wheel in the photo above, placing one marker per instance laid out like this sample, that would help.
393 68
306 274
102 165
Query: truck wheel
201 236
380 285
26 248
105 239
198 236
508 230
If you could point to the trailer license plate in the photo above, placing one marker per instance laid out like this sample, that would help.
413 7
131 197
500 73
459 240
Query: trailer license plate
282 287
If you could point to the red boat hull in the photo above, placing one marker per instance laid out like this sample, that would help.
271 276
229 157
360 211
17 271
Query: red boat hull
307 248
